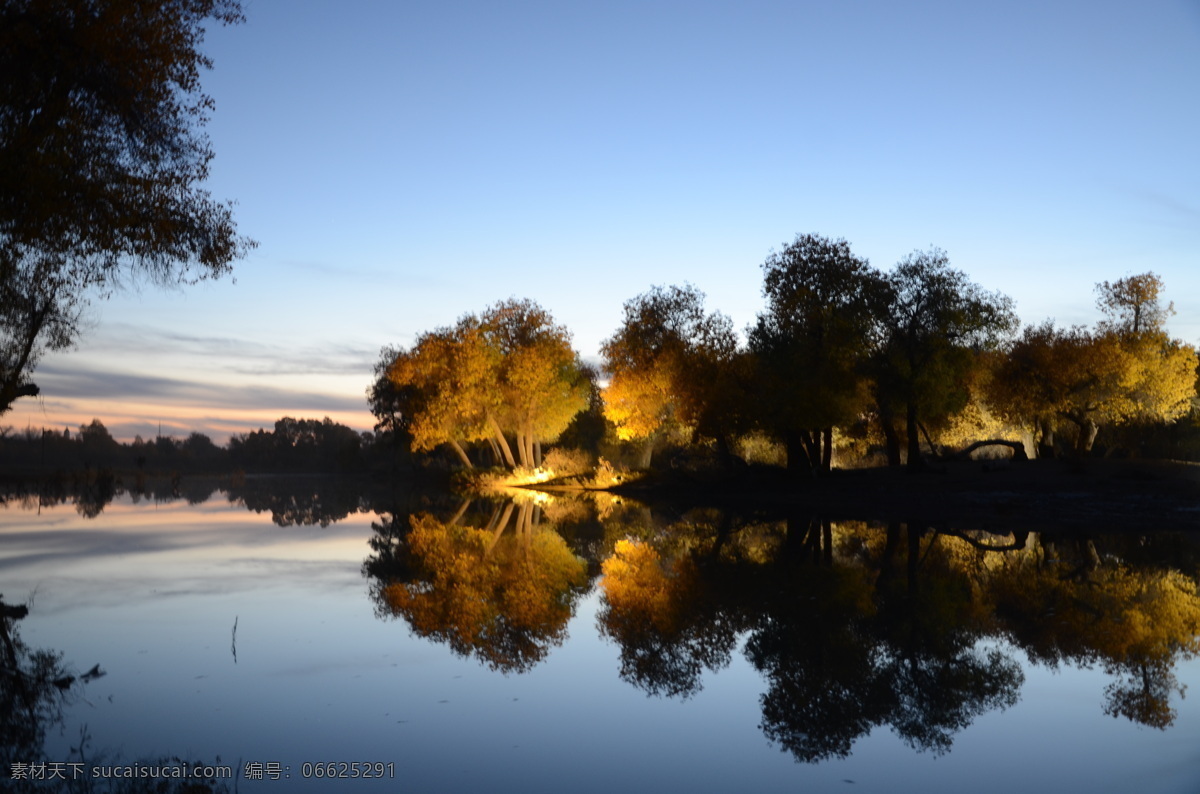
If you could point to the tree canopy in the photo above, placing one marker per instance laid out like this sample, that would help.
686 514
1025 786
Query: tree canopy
921 353
812 342
936 323
102 159
511 371
1131 305
670 361
1092 378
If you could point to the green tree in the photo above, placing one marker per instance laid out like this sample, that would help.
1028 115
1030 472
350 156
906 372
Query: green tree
671 362
811 344
102 159
936 324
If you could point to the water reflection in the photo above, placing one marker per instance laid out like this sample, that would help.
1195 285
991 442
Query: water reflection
853 626
34 686
294 500
502 593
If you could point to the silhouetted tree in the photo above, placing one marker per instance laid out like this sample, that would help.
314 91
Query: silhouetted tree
937 321
811 344
102 159
298 445
1131 304
391 405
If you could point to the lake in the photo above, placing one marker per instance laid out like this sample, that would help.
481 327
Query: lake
550 643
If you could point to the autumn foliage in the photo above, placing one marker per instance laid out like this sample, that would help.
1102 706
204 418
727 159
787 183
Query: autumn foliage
912 362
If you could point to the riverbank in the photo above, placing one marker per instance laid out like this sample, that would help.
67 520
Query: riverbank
1075 494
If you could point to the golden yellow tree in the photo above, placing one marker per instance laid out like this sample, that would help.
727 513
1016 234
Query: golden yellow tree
446 382
510 372
1131 304
542 383
1092 378
671 361
1136 622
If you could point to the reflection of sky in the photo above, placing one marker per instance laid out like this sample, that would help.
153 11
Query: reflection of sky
151 594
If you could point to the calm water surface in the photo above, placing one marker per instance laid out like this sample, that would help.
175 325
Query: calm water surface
553 645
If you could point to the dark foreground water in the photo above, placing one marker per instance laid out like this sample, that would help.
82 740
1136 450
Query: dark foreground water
551 645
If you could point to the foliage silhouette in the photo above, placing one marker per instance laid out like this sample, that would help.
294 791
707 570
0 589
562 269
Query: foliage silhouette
812 344
102 163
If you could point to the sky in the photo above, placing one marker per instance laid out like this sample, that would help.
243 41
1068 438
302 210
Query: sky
403 164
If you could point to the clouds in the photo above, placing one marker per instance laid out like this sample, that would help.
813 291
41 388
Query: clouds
154 347
141 379
67 384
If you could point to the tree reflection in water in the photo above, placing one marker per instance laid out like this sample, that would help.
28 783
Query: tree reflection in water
852 625
34 687
856 626
502 596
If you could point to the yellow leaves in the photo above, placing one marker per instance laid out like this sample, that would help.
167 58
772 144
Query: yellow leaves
513 370
639 402
1120 615
1132 305
1166 378
669 359
1104 376
506 596
642 590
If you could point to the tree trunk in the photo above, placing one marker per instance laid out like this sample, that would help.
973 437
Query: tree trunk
645 453
914 440
797 455
462 455
888 558
812 450
499 529
1045 446
933 450
527 448
501 441
890 436
462 509
827 453
522 450
1088 430
914 555
537 453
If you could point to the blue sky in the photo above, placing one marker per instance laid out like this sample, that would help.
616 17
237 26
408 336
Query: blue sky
404 163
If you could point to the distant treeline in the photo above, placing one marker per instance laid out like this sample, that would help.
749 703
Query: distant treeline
294 445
